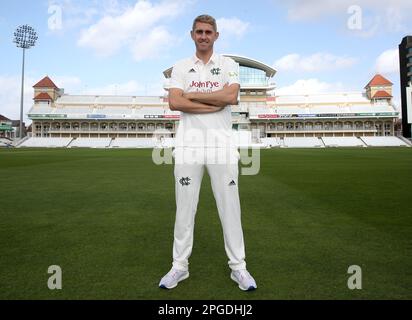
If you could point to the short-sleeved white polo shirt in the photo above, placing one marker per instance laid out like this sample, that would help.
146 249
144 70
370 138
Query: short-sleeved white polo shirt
192 75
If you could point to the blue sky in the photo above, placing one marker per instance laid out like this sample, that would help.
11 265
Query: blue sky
122 46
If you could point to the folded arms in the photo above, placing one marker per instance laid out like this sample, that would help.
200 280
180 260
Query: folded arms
198 102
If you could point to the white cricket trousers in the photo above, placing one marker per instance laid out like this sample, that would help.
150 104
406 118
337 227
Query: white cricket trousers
224 181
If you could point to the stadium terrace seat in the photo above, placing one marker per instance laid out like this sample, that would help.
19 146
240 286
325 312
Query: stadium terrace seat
46 143
343 142
270 142
302 142
4 143
90 143
384 142
135 143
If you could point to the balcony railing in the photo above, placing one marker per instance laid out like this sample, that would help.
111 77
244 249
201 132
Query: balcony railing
321 130
107 130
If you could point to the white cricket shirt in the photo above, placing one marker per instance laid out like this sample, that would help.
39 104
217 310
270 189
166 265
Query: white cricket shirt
192 75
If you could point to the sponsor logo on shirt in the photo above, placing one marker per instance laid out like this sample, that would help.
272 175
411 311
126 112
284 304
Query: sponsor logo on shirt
205 84
192 71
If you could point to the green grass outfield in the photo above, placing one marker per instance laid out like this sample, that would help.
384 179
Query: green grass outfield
106 217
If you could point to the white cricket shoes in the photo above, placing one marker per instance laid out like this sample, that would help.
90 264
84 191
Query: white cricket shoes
244 280
172 278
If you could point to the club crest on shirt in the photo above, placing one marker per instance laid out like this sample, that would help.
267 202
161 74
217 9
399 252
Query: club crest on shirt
215 71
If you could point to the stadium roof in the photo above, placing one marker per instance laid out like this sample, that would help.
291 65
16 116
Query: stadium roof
243 61
42 96
324 98
106 100
381 94
46 82
378 80
252 63
161 112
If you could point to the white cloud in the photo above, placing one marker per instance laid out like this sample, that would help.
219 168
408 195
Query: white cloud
153 44
313 9
377 15
309 86
131 28
316 62
10 88
388 62
67 82
78 13
72 14
229 27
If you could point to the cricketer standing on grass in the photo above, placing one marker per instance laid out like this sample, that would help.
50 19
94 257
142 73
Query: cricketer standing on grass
203 88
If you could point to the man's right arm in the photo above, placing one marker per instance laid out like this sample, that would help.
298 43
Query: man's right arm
177 102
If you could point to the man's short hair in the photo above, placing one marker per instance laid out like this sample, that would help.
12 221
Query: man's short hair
205 18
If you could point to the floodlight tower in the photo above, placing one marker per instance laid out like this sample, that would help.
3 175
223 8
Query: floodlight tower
24 37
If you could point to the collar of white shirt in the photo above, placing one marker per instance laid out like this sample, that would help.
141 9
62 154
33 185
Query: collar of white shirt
212 60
